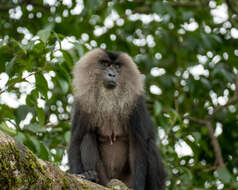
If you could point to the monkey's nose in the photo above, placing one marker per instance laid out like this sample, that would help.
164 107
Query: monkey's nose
111 75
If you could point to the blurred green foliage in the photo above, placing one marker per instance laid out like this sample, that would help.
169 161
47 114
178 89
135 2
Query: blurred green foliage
186 49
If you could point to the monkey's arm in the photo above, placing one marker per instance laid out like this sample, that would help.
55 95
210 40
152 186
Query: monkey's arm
83 150
148 172
78 130
90 157
156 173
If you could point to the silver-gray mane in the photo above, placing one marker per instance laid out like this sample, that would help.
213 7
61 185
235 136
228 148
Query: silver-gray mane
106 105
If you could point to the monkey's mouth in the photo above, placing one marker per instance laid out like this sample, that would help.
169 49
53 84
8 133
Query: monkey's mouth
110 84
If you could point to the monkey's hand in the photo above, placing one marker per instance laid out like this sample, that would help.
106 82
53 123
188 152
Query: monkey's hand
90 175
116 184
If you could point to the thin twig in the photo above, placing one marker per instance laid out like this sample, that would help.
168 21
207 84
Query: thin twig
184 4
11 85
148 8
209 169
196 120
208 123
175 118
39 5
231 7
214 142
231 101
215 145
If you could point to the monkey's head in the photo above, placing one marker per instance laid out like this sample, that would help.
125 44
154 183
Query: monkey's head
108 72
109 68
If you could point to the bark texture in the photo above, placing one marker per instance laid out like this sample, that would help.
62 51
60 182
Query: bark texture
20 169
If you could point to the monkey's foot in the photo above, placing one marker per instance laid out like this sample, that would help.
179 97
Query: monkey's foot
116 184
90 175
79 175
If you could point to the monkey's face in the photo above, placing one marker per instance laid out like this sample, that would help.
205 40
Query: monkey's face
110 71
101 71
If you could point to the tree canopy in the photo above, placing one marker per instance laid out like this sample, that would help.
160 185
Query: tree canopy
187 51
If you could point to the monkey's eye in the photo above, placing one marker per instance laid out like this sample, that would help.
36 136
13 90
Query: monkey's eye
117 65
104 63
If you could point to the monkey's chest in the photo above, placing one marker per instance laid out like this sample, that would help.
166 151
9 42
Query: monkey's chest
114 148
114 154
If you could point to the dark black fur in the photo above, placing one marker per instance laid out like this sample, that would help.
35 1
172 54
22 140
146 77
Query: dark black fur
112 55
146 165
149 172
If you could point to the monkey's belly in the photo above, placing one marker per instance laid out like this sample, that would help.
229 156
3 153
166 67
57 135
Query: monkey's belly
115 158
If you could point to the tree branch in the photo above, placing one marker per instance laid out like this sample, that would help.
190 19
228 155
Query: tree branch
22 80
8 7
175 118
185 4
231 7
196 120
231 101
215 145
208 123
147 9
21 169
214 142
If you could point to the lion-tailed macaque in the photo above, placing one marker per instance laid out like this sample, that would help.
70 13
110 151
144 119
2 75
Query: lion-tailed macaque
112 133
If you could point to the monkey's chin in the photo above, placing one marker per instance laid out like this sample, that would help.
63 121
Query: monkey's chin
110 85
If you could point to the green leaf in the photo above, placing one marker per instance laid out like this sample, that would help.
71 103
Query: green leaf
158 7
45 32
187 176
10 131
196 135
206 40
44 152
41 84
20 45
64 85
79 48
224 175
39 48
9 65
31 98
68 59
67 137
62 72
93 4
59 154
162 8
157 108
35 142
41 115
186 15
21 112
174 115
35 127
205 82
20 137
24 47
227 75
216 38
13 81
1 43
6 112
